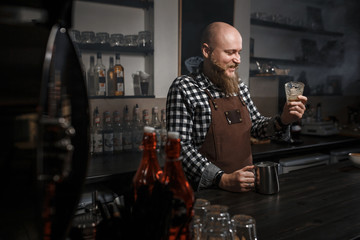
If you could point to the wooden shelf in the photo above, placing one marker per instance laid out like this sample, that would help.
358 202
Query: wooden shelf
96 47
120 97
288 62
128 3
263 23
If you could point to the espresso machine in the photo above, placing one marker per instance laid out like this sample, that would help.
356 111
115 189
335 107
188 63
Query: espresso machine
44 121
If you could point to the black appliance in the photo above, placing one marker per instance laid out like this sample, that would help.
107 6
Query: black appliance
44 121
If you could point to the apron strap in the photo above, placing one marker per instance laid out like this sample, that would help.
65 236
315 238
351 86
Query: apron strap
211 99
241 100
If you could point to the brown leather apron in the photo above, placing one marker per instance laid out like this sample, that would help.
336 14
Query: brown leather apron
227 142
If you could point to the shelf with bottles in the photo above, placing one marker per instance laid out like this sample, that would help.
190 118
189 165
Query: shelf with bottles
121 97
271 24
105 47
117 139
128 3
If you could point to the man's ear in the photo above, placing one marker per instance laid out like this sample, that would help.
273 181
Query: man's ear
205 48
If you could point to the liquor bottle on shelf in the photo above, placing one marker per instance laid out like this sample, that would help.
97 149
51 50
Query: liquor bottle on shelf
119 77
118 132
108 134
111 78
97 134
146 117
149 170
127 133
100 76
183 194
155 123
137 128
91 77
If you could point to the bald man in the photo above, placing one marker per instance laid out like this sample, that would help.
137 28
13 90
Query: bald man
215 116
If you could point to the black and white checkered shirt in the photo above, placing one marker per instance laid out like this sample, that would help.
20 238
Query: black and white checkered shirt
188 112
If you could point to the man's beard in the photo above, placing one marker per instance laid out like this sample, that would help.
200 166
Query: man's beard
228 85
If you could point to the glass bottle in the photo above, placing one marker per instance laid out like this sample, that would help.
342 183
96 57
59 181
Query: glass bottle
146 117
97 130
149 170
100 76
127 133
118 132
163 132
155 123
108 134
110 78
183 195
119 77
138 127
91 77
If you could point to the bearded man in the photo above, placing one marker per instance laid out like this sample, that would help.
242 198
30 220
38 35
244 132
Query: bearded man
215 116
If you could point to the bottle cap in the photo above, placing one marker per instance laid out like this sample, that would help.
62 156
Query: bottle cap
148 129
173 135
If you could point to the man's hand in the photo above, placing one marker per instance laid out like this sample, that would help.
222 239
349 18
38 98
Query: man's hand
293 111
242 180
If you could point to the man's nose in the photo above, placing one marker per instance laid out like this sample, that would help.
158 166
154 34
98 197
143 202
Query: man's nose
237 59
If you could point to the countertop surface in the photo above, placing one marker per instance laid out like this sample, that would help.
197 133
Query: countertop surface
317 203
309 143
104 166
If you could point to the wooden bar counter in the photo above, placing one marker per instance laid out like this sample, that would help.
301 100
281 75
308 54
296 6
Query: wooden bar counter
317 203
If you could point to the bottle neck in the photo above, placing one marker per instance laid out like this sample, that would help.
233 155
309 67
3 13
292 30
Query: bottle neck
149 142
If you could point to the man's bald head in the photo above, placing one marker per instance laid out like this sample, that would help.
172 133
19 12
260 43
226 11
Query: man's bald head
215 30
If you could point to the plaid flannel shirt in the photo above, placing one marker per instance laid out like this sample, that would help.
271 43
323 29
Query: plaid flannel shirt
188 112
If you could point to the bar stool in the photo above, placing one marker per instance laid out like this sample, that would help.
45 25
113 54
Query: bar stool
304 161
341 154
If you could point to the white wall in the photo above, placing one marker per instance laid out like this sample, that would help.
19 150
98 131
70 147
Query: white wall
166 45
242 23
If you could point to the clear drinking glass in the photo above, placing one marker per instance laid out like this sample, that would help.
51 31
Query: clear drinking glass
131 40
117 39
217 224
87 37
293 90
102 37
200 206
144 39
244 227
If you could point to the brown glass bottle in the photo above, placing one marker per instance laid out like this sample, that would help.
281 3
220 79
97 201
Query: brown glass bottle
149 170
183 195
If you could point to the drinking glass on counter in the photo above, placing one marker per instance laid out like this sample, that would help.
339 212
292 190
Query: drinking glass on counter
244 227
217 224
200 206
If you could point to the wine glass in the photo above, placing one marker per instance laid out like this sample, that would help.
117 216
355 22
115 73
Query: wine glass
292 91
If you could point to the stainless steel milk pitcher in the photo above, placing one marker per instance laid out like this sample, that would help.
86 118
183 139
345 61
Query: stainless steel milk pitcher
266 177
